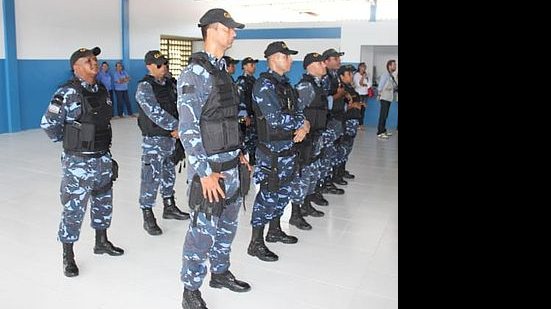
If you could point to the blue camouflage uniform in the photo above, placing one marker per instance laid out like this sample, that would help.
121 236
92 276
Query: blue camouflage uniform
310 174
244 82
351 126
269 205
210 237
84 177
157 165
333 154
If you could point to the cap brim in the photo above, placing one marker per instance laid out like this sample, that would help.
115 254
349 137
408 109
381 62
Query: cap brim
233 24
290 52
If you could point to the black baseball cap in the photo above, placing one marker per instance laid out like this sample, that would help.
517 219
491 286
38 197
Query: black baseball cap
84 52
331 52
248 60
219 16
156 57
230 60
345 68
278 47
312 57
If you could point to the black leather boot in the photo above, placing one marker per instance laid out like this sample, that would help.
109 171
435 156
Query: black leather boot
258 248
308 210
346 174
330 188
70 268
170 211
337 175
227 280
193 300
105 246
318 199
297 219
275 233
149 222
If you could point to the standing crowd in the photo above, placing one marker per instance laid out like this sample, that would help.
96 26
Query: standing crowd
294 141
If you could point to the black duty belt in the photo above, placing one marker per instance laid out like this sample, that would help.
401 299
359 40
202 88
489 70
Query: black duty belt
224 166
86 154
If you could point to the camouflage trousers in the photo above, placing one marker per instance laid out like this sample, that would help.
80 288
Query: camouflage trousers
269 205
211 239
83 179
348 138
157 169
305 182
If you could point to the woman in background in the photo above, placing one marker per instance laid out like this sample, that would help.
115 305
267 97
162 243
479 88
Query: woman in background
121 90
362 84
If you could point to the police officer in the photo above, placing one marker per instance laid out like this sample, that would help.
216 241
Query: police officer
230 66
313 101
280 125
245 85
79 114
333 155
353 115
158 121
209 131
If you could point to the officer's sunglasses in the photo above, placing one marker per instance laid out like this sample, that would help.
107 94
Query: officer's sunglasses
160 65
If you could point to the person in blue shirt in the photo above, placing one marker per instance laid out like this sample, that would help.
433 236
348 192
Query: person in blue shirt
209 131
121 90
106 79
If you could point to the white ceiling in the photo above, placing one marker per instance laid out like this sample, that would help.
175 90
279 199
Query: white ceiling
261 11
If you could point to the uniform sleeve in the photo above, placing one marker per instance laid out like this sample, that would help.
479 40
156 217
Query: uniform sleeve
193 91
306 94
152 109
64 107
265 96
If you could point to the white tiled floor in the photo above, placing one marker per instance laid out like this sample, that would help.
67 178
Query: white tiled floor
348 260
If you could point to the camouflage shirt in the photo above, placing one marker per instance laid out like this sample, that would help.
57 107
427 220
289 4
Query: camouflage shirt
148 103
190 105
64 107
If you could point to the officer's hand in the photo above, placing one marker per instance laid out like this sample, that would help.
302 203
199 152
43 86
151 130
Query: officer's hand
211 187
247 121
299 135
174 134
244 160
306 126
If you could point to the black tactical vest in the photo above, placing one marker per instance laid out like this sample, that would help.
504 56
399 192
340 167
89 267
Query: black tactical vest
91 132
337 111
248 92
219 123
352 113
166 96
316 112
287 101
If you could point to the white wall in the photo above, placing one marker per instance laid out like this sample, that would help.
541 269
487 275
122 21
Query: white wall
1 30
53 29
151 19
356 34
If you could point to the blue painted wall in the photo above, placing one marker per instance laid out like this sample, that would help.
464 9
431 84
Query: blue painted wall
38 79
3 103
